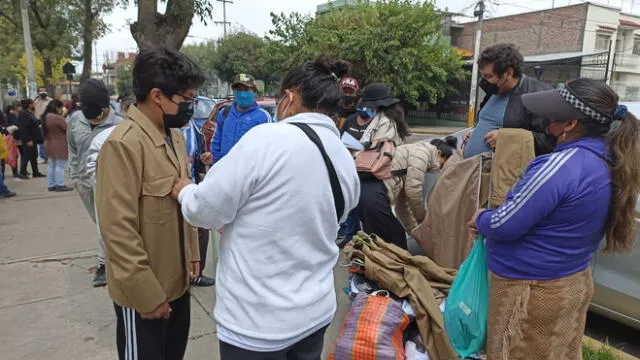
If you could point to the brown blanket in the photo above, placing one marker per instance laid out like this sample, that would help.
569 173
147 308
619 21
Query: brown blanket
417 278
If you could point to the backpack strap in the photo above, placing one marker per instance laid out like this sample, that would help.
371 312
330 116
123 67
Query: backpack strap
338 198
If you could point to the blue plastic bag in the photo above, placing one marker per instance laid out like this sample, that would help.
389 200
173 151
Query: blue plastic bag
466 309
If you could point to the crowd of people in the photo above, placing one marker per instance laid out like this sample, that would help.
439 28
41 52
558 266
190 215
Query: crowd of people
285 194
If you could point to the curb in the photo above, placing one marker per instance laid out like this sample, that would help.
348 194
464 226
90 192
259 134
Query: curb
598 344
430 132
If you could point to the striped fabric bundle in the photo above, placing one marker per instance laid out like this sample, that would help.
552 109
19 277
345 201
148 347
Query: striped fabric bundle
372 330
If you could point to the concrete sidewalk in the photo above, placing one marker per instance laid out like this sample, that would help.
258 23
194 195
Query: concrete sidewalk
48 309
436 130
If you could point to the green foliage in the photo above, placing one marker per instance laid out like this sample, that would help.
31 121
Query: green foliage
205 55
396 42
56 32
603 353
240 53
124 81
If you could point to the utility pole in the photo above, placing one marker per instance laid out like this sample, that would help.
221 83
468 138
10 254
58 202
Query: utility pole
32 86
224 21
479 12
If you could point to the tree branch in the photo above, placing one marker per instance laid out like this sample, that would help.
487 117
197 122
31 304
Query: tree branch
36 14
11 20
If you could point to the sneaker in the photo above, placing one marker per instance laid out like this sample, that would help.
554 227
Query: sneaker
63 188
39 175
23 177
100 279
55 188
203 281
6 195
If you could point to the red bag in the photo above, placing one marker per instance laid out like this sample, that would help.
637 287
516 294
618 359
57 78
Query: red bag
12 148
372 329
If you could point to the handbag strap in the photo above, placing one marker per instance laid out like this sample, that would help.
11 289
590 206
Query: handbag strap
338 198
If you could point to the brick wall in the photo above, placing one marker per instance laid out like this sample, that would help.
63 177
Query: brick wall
535 33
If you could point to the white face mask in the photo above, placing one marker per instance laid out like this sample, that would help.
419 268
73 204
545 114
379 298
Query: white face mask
276 117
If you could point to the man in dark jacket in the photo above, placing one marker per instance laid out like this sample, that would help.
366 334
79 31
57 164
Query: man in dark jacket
504 83
30 137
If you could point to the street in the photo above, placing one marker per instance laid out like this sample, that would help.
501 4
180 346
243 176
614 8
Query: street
48 308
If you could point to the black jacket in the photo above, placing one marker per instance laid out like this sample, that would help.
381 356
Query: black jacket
518 117
29 128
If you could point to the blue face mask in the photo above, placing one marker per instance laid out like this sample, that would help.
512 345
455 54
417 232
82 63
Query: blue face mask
244 99
366 113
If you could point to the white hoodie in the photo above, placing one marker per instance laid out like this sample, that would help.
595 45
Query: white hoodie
272 194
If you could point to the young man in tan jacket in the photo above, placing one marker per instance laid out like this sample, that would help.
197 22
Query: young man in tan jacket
152 253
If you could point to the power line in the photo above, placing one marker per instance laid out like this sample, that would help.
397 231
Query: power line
224 21
565 17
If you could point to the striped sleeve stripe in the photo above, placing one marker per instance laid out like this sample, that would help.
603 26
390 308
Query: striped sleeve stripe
546 173
268 115
530 185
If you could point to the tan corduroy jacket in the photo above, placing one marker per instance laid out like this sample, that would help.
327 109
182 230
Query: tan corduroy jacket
149 246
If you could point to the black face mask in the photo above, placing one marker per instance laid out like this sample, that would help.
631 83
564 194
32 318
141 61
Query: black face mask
488 88
180 118
350 100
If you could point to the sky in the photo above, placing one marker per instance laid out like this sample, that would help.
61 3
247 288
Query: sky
254 16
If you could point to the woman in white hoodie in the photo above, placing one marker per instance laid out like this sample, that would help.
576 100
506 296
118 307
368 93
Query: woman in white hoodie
280 209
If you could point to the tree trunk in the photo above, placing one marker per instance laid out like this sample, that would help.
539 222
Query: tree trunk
48 74
87 39
169 29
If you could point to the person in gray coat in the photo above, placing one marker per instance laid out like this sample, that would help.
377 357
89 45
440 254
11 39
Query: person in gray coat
84 125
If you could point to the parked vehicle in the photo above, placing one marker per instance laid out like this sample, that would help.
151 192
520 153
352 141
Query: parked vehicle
616 277
203 108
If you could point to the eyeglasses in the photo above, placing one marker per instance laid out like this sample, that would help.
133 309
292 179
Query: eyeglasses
186 98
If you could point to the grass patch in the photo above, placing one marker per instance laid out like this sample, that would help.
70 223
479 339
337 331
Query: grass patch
602 353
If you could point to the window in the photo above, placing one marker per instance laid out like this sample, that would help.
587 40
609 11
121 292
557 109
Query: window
636 46
602 42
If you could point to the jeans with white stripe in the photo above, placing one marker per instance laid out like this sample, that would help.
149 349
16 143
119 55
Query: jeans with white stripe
160 339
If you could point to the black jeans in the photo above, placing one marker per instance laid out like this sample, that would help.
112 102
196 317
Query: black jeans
160 339
203 239
28 154
376 214
3 164
309 348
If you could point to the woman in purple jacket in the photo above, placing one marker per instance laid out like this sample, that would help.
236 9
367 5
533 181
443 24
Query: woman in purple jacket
541 241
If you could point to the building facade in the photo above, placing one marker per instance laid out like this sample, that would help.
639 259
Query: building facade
587 40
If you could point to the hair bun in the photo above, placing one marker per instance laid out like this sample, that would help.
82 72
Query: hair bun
451 141
620 112
339 68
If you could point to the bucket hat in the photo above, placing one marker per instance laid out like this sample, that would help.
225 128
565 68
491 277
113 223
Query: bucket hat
377 95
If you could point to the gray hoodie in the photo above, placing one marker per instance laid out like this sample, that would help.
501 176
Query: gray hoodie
80 136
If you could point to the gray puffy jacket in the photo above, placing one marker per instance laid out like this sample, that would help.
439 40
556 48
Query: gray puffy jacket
80 135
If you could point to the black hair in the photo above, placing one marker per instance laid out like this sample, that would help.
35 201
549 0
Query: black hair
446 146
25 103
395 112
52 108
164 69
317 83
503 57
12 106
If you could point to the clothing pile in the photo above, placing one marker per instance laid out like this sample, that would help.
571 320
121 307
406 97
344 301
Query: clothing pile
395 293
